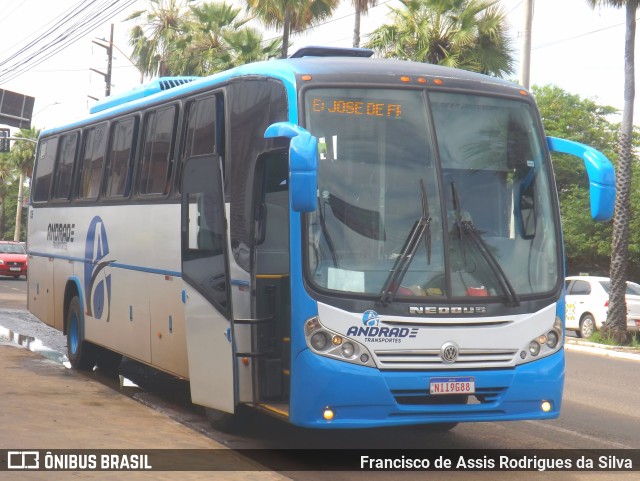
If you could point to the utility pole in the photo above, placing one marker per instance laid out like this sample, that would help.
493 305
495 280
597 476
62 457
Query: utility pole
525 61
109 48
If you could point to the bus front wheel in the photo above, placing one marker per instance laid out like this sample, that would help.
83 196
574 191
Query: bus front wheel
82 354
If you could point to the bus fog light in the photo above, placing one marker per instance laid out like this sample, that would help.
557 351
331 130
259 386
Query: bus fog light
534 348
327 414
319 341
552 339
545 406
364 358
347 349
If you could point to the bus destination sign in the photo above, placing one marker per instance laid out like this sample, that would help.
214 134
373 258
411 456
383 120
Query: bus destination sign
357 107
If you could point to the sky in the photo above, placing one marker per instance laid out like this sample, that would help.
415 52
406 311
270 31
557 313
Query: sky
573 46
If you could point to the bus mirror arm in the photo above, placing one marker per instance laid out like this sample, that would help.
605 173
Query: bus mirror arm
602 177
303 164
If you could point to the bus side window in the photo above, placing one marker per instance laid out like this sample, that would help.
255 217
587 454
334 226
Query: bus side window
64 166
156 167
118 176
272 215
202 127
204 229
93 151
44 172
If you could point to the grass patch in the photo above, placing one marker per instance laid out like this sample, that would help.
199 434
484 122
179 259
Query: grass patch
598 338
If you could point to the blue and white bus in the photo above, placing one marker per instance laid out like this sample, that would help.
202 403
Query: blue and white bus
341 241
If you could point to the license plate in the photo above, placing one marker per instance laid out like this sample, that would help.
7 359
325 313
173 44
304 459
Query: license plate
14 269
452 385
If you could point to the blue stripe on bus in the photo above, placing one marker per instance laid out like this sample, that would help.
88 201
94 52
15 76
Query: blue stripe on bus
130 267
117 265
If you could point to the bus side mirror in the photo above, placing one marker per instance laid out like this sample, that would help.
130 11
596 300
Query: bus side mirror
602 177
303 164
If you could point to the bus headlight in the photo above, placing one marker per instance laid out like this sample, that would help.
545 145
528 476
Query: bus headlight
326 342
319 341
534 348
545 344
347 349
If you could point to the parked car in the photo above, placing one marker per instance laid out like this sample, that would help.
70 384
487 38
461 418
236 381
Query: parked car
587 301
13 259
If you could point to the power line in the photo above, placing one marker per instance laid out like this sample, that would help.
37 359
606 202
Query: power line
73 25
584 34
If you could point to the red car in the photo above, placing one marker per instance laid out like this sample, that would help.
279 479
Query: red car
13 259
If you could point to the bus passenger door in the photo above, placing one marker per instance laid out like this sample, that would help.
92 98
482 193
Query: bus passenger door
205 272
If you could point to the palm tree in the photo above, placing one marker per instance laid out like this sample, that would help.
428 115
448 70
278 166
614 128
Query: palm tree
198 40
216 39
291 15
7 173
362 8
468 34
616 325
152 44
21 157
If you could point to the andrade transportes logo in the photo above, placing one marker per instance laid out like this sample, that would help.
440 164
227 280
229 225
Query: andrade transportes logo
371 331
97 278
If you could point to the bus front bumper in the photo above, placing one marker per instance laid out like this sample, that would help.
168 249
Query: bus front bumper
361 397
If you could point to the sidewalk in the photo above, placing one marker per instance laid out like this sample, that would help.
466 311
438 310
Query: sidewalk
629 353
45 406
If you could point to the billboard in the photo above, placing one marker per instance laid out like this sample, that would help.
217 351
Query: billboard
16 109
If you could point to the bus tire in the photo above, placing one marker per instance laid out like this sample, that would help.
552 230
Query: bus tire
82 354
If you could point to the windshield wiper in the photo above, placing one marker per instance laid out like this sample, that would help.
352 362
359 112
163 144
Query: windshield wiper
421 228
467 229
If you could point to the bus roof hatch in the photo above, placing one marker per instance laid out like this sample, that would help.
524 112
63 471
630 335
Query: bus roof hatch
313 51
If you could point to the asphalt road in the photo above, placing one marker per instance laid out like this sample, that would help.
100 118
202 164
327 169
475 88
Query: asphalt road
599 412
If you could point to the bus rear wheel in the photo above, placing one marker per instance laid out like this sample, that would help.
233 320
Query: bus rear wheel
82 354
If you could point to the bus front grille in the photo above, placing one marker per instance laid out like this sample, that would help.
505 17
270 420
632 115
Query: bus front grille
430 359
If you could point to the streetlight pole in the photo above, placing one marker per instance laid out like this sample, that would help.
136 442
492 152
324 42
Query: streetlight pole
525 67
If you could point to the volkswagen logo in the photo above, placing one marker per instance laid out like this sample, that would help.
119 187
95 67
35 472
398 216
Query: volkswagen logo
449 352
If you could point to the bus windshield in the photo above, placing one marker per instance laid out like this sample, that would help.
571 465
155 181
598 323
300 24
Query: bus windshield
442 195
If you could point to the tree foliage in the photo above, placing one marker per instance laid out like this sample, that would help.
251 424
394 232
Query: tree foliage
587 243
616 324
291 16
467 34
177 38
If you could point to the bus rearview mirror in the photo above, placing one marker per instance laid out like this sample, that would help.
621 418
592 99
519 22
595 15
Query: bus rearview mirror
303 164
602 177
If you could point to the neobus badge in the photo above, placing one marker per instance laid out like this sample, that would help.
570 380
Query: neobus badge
447 310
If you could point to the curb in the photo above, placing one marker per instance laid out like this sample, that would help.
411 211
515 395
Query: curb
617 352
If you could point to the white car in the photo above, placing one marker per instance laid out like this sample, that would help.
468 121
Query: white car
587 301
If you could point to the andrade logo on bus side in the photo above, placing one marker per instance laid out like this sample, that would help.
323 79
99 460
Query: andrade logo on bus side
97 279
